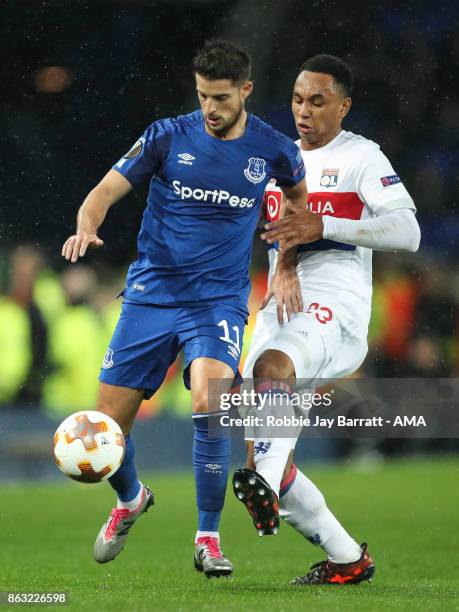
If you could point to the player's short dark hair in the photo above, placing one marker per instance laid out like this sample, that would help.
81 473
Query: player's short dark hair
222 59
335 67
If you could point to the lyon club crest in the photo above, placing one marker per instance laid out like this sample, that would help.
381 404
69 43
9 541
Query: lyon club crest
255 171
329 177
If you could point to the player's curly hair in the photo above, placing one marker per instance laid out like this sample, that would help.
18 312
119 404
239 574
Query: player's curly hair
334 66
222 59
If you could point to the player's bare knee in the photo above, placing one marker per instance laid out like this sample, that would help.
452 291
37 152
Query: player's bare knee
119 403
200 402
115 413
274 365
207 399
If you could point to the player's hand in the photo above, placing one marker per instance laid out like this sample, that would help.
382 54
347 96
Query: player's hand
285 287
77 245
301 227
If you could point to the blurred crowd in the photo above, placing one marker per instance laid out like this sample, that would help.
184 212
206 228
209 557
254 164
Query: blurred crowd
56 325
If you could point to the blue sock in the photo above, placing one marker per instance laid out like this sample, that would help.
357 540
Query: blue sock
124 481
211 461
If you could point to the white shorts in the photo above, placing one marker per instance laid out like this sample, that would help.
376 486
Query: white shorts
314 340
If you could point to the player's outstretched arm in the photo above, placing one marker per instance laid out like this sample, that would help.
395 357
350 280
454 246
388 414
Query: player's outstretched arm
392 230
92 213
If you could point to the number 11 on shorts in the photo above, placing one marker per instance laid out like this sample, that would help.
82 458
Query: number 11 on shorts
226 335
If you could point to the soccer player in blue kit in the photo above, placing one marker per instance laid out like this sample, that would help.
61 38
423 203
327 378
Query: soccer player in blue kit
188 289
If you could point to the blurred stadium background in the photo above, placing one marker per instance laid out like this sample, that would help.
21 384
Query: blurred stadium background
81 80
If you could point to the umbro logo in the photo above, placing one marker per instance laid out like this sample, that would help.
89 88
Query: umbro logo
232 350
186 158
213 468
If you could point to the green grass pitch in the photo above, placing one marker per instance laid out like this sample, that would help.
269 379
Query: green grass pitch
407 510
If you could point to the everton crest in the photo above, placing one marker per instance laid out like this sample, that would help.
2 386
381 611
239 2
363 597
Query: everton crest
255 171
108 359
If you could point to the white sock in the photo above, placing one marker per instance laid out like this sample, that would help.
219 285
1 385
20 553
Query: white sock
133 503
207 534
303 506
271 449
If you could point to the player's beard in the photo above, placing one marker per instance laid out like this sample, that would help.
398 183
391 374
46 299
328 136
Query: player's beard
229 123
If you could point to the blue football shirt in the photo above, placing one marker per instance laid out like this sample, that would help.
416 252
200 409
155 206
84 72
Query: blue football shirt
195 242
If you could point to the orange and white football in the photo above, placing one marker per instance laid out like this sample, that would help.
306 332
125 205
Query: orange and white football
89 446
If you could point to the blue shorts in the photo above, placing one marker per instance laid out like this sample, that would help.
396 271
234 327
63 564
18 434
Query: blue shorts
148 338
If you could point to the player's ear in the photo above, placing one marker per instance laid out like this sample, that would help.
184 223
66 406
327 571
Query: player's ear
345 107
247 89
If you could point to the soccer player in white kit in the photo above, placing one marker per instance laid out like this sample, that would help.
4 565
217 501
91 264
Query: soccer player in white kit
356 203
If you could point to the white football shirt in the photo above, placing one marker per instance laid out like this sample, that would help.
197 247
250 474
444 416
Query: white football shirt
349 178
